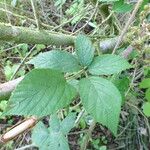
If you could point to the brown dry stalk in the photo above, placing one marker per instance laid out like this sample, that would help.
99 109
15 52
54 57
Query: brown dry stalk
18 129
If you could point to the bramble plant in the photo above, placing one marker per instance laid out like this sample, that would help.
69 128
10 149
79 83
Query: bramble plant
48 88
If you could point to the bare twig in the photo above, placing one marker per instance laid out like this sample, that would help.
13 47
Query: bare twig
23 61
8 16
105 20
10 48
95 10
33 4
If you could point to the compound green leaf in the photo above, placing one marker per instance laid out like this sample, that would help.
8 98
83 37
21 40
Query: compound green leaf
145 83
146 109
102 100
108 64
84 50
56 59
41 92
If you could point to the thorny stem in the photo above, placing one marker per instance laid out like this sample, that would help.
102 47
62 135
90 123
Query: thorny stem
32 36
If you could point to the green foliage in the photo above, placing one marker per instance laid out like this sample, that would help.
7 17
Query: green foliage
9 69
14 3
84 50
102 100
147 71
40 47
108 0
43 137
74 83
108 64
75 7
146 109
75 10
55 136
97 144
103 148
58 60
122 7
22 50
145 2
3 105
147 94
59 3
45 91
146 85
122 84
41 92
